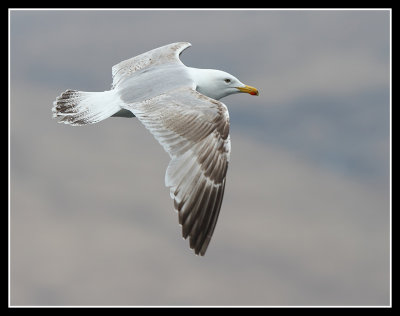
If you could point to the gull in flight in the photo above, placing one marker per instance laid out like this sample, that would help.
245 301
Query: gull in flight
179 106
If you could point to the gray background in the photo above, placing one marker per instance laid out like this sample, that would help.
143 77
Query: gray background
305 218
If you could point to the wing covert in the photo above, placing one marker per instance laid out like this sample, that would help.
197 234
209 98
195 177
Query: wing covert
165 54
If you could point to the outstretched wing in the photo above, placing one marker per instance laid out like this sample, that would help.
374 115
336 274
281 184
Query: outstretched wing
162 55
194 130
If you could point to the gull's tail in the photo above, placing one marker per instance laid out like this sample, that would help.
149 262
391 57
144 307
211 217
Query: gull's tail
80 108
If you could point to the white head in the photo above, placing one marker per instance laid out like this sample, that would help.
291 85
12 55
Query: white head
217 84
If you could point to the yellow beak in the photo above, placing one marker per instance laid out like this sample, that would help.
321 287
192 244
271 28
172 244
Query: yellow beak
248 89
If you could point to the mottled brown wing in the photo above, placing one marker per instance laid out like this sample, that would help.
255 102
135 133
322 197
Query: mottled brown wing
161 55
194 130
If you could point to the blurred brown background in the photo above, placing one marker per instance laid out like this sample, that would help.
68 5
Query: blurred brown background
305 218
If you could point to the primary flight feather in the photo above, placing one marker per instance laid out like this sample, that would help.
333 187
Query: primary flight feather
179 106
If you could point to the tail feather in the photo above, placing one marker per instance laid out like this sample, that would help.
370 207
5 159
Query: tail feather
80 108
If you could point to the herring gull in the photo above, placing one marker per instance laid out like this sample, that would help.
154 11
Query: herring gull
179 106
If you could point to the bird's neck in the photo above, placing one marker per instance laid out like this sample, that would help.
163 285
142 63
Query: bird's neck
204 85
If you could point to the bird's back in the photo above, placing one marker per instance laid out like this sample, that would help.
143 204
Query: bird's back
153 81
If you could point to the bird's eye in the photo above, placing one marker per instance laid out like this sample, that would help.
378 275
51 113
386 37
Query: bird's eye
227 80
